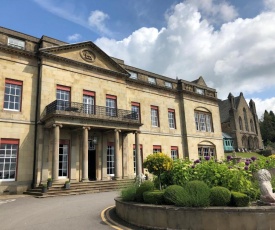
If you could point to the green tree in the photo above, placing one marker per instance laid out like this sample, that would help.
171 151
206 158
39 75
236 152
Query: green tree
267 126
157 164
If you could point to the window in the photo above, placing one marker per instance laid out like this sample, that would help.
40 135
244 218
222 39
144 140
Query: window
63 94
203 121
168 84
16 43
133 75
135 110
88 102
199 91
252 126
134 157
171 118
152 80
8 159
13 95
245 119
204 151
156 148
154 116
111 105
240 123
63 158
110 159
174 152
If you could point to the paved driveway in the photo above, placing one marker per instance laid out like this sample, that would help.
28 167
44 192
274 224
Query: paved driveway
67 212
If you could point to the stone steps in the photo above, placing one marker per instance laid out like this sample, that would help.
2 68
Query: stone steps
76 188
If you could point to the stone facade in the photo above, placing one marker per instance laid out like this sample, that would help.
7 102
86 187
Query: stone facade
83 115
240 121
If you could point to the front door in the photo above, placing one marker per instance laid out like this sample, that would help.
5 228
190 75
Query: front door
91 162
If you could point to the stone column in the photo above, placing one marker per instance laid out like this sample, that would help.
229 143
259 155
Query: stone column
117 156
56 151
138 157
85 154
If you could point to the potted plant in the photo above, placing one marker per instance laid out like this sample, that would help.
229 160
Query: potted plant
44 188
49 182
67 184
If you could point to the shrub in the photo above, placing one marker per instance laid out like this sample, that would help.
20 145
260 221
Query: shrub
144 187
239 199
219 196
172 193
153 197
158 163
196 194
129 193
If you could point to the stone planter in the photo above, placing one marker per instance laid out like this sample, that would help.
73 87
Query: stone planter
172 217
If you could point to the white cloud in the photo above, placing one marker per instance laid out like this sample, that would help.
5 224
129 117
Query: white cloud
215 11
238 57
97 20
64 9
74 37
262 105
269 4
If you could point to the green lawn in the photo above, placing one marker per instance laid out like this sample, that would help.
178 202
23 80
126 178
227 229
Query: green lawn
246 155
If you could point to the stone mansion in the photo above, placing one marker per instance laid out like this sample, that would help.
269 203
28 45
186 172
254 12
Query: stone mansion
70 111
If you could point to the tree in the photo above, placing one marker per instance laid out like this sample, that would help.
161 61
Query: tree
267 126
157 164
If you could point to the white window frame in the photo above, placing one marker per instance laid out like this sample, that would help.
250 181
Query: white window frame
174 154
63 99
203 121
17 43
134 75
111 107
204 151
135 110
200 91
110 160
154 117
171 119
152 80
8 160
168 84
63 172
12 97
88 104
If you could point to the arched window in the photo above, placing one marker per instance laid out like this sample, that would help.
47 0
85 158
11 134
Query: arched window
245 119
256 143
241 123
252 126
203 121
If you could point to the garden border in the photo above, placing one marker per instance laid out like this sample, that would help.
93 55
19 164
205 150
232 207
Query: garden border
172 217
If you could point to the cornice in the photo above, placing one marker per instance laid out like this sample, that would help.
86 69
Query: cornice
199 95
11 49
80 64
144 83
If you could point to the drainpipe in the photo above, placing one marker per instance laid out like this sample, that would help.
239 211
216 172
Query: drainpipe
36 116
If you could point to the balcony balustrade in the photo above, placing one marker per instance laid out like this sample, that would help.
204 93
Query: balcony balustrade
75 109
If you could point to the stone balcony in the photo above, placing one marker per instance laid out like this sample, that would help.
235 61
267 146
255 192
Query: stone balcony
91 114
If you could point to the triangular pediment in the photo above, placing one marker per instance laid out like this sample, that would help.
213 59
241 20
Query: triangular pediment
200 81
86 53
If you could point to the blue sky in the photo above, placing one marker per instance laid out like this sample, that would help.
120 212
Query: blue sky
230 43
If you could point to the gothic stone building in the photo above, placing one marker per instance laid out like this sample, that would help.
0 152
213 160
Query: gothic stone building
240 121
70 111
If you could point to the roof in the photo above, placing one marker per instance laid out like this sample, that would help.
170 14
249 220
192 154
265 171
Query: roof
225 106
225 135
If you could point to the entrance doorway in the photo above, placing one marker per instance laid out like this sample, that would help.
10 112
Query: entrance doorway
91 161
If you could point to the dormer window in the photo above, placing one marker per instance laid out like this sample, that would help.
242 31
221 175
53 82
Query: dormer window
16 43
200 91
168 84
133 75
152 80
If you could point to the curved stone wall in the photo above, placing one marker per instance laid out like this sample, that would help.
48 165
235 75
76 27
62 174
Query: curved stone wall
172 217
